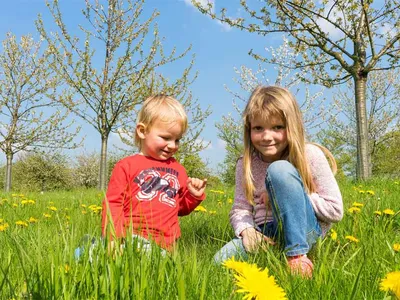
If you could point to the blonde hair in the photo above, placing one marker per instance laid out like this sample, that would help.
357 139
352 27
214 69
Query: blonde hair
273 101
161 108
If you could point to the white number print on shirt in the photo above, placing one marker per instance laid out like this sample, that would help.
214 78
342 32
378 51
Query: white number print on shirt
153 185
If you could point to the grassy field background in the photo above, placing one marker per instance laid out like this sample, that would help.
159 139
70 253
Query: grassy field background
39 232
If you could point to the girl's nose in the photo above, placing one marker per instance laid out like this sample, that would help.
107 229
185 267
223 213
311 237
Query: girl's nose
266 135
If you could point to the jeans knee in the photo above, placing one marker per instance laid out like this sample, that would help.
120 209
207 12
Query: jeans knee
280 168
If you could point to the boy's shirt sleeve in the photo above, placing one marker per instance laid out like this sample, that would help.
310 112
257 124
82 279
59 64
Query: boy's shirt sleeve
187 202
113 204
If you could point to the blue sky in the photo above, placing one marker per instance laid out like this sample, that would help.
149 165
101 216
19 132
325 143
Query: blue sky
218 50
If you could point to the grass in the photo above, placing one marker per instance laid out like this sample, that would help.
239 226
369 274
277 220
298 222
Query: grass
37 256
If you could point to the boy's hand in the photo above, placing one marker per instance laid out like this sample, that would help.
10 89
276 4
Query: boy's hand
196 186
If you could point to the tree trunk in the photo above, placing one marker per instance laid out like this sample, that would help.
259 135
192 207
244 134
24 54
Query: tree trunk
7 186
363 155
103 163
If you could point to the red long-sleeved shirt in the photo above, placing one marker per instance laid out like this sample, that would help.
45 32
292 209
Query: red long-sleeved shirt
148 195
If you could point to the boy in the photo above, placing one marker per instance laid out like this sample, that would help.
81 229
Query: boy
148 191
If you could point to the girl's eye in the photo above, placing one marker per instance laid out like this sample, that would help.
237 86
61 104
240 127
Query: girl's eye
257 128
279 127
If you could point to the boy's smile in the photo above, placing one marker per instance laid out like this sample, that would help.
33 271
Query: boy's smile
161 141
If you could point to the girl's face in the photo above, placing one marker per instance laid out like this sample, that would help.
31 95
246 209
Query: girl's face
269 137
161 141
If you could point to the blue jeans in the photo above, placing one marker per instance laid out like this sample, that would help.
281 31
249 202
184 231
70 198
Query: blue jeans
295 225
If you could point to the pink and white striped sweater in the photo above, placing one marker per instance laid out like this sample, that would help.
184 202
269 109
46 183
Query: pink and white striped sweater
327 201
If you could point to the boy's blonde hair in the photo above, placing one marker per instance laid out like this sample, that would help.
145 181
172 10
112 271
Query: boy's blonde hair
161 108
273 101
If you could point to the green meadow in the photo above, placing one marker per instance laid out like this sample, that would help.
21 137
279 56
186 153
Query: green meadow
39 232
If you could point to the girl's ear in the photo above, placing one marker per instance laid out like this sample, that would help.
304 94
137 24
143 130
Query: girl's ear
141 130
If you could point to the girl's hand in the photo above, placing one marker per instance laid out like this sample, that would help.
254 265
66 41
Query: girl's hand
253 240
196 186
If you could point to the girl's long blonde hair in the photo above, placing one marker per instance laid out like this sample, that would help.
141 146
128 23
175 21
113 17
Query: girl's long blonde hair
273 101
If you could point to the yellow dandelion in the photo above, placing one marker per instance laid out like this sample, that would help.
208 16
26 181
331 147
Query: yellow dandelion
200 208
21 223
230 201
396 247
66 268
357 204
333 235
3 227
212 212
369 192
388 212
254 282
53 208
31 202
23 202
237 266
48 216
351 238
33 220
83 205
15 205
361 191
354 210
84 212
378 213
391 283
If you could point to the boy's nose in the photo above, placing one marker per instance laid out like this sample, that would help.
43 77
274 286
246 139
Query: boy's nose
171 145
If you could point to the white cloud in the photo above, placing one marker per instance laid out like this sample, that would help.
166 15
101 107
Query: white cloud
205 3
204 143
221 144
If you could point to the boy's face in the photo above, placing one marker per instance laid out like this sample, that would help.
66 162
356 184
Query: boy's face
161 141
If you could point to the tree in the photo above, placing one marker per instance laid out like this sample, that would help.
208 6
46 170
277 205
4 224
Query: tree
42 172
230 130
338 41
387 153
130 51
26 83
382 101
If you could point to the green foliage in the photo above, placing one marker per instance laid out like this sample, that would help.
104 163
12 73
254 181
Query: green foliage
42 172
387 156
38 258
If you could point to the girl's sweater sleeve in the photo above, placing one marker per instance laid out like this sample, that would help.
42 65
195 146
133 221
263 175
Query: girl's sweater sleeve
327 200
241 214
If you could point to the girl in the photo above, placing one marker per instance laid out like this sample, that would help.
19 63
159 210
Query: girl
285 188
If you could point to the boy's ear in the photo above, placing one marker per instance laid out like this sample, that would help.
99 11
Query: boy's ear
141 130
